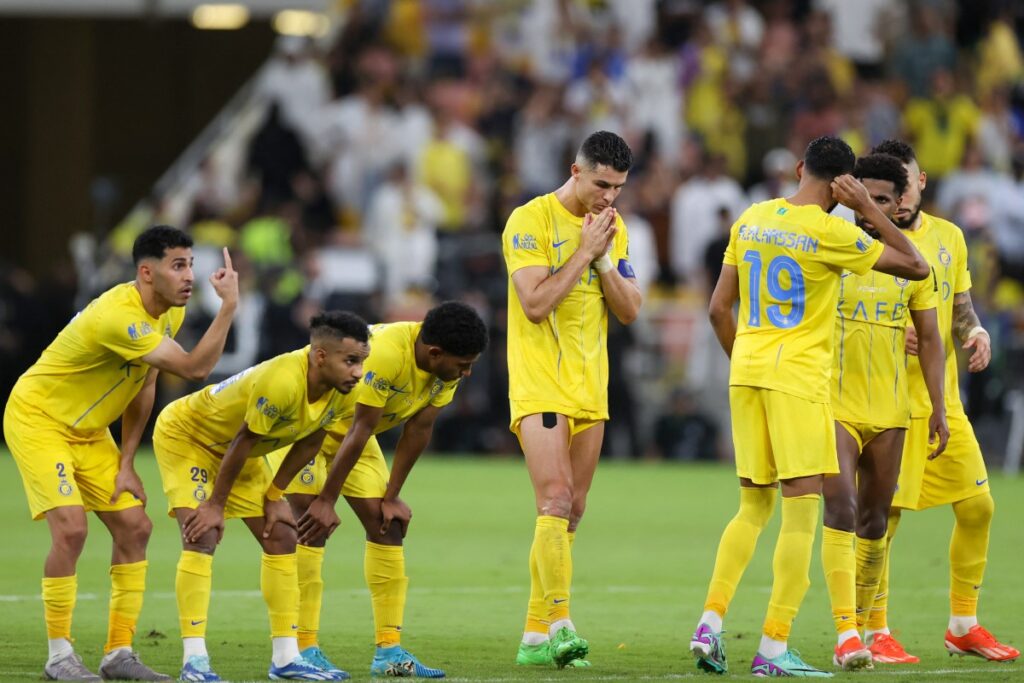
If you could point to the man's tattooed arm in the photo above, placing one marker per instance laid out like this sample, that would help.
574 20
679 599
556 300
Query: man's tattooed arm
964 317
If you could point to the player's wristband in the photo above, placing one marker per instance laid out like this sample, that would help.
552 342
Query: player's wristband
975 331
603 264
274 493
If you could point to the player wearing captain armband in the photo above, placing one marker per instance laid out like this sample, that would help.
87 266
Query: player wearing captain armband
783 265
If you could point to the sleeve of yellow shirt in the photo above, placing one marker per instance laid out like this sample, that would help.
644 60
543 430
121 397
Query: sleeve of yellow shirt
122 330
925 294
620 249
847 247
271 397
380 371
729 258
962 275
524 240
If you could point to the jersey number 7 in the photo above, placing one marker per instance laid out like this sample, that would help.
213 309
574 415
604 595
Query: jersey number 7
777 290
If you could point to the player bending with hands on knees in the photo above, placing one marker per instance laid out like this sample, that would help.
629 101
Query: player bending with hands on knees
412 372
209 446
871 404
958 477
567 254
783 265
103 366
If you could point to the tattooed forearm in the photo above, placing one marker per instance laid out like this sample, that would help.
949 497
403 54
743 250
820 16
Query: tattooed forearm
964 317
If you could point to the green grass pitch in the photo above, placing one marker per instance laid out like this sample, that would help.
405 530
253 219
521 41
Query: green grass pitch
642 561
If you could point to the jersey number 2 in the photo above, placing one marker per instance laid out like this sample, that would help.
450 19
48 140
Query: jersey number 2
793 294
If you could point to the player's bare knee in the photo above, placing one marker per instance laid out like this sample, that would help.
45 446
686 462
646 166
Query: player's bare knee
70 537
872 524
841 512
282 540
205 544
556 500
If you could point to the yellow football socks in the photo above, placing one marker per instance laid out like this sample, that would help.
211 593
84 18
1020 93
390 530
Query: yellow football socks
554 564
127 585
968 553
536 609
737 545
279 581
791 563
840 565
59 594
384 567
311 593
878 619
192 584
870 563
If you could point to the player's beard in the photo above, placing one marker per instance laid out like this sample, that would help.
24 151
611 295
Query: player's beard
908 222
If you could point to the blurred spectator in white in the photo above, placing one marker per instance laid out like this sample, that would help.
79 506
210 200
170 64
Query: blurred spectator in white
542 142
1007 225
364 133
695 214
997 129
883 120
971 180
643 252
637 20
401 229
779 166
858 28
596 102
548 30
738 28
654 99
447 32
296 79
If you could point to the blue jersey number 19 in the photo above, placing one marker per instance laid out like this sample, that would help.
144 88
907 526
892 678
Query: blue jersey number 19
793 294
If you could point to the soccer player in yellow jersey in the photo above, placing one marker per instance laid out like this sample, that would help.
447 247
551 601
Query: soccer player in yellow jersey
567 259
784 264
958 477
871 404
412 372
101 367
209 446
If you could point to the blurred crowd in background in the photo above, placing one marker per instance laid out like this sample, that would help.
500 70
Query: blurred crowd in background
378 169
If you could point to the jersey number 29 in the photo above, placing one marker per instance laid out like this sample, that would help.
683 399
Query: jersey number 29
793 294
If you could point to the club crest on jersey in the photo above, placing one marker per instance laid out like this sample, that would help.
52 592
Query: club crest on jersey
199 494
327 418
945 258
436 387
307 477
524 241
901 281
267 408
64 488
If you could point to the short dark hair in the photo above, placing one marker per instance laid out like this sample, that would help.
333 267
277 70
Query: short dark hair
607 149
882 167
828 157
338 325
154 241
456 328
896 148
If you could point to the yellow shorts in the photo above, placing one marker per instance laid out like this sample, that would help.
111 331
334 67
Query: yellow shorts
778 436
368 479
959 473
61 468
576 424
863 433
189 471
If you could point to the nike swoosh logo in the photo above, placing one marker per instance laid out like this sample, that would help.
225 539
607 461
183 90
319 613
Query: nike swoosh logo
559 602
196 623
979 482
556 245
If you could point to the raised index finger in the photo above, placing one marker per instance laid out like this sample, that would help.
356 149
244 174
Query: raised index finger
227 259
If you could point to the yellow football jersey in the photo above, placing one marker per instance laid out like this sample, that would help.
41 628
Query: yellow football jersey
942 245
561 364
789 259
869 375
90 373
392 381
270 398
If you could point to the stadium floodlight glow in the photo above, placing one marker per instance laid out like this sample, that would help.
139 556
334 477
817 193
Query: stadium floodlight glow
297 22
223 17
